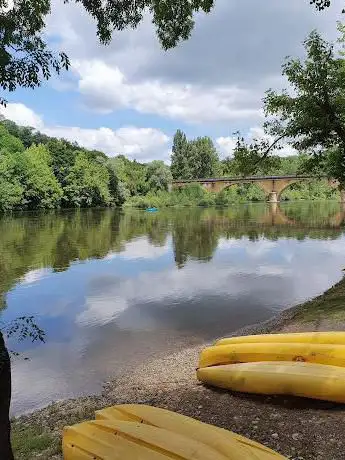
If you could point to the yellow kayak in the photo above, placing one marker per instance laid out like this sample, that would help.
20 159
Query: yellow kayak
199 431
252 352
134 432
336 338
314 381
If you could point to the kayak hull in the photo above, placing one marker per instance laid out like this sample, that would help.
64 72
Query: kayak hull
216 437
332 337
134 432
327 354
316 381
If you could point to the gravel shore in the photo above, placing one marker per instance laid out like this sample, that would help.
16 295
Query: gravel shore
297 428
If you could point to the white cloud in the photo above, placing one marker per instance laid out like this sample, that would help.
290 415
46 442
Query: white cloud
140 143
140 249
22 115
34 275
106 89
220 74
227 144
143 144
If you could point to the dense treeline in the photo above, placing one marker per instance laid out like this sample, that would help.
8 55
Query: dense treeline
41 172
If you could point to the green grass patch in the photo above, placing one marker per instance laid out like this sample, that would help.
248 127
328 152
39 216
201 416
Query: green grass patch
30 442
330 305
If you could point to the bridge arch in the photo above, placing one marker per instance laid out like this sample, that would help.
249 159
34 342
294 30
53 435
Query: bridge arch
273 186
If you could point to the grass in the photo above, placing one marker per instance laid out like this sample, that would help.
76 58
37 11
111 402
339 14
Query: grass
30 442
329 306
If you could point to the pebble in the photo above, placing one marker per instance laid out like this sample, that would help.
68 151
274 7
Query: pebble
275 435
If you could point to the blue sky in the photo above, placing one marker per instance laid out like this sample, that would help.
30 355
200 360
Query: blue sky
130 96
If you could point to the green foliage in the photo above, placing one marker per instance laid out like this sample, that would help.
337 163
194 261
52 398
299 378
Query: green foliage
41 190
194 159
204 160
24 57
313 117
132 175
158 175
310 117
11 191
33 441
87 183
55 173
180 157
26 60
8 142
62 158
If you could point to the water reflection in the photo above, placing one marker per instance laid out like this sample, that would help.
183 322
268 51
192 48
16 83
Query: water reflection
112 288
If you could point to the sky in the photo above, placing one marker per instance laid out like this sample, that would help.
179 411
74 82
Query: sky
130 96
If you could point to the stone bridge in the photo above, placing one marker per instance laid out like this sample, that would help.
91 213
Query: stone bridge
273 186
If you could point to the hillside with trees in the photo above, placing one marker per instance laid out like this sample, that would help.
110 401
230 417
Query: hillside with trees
41 172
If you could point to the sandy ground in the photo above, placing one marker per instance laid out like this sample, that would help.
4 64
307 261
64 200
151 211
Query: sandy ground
296 427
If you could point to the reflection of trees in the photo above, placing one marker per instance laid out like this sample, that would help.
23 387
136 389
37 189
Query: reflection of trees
193 237
55 240
196 233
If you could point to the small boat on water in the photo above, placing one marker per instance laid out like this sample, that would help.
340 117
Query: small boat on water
151 209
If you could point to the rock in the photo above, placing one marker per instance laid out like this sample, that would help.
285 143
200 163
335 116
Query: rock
275 435
296 436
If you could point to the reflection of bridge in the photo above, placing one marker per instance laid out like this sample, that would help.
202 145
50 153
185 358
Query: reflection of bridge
273 186
274 216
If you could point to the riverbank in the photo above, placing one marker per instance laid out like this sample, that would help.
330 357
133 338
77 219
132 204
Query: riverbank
293 426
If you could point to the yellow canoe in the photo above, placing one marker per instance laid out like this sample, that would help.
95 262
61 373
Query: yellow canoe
332 337
314 381
252 352
134 432
199 431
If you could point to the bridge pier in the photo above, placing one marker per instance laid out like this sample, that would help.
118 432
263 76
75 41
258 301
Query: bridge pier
273 197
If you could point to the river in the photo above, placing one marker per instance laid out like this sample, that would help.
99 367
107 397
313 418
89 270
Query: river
114 288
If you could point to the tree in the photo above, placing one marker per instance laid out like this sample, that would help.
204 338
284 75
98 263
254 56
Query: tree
117 188
11 191
24 57
158 175
203 158
40 188
254 158
26 60
131 174
62 158
87 183
180 157
8 142
312 116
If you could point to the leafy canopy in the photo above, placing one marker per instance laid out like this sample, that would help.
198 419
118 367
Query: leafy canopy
26 60
193 159
310 115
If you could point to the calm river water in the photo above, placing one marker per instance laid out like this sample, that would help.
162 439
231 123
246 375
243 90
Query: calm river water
112 288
